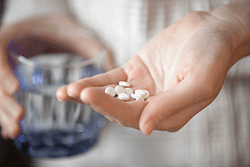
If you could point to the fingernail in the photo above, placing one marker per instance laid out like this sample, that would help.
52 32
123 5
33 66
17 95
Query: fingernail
10 85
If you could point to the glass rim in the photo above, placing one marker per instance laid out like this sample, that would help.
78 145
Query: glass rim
83 33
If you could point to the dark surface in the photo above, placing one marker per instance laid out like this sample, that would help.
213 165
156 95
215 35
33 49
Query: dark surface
10 156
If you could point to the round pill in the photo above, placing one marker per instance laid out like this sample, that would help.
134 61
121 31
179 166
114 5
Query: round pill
123 83
119 89
139 92
123 96
129 91
134 96
139 98
109 90
145 94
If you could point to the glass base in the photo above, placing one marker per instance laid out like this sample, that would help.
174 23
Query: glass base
57 150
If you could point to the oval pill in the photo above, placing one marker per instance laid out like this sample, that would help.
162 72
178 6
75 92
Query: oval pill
134 96
123 96
124 83
110 90
129 91
119 89
139 92
145 94
139 98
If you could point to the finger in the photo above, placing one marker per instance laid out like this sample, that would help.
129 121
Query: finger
8 81
9 127
62 95
11 106
187 93
11 113
126 113
108 78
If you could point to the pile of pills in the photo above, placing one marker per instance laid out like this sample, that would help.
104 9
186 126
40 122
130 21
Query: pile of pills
123 92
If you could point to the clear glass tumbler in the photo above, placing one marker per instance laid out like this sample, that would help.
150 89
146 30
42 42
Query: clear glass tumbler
44 60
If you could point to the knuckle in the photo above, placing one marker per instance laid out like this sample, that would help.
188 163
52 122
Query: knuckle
13 131
18 113
72 85
9 84
16 86
87 95
5 124
198 15
86 81
71 89
195 19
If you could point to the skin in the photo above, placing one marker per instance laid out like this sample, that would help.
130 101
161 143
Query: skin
183 68
10 110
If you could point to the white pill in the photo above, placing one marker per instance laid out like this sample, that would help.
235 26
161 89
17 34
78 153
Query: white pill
134 96
139 98
139 92
109 90
129 91
119 89
123 83
123 96
145 94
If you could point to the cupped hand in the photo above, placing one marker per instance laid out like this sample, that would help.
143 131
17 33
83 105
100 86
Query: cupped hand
183 68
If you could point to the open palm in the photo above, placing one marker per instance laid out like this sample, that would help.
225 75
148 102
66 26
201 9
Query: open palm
183 68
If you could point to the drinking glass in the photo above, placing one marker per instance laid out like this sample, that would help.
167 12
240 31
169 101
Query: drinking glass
44 60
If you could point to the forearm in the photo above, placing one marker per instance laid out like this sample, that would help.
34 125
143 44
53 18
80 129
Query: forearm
237 17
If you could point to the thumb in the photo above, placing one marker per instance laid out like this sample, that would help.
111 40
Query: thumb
170 104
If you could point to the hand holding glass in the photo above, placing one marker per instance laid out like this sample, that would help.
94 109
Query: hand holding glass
44 60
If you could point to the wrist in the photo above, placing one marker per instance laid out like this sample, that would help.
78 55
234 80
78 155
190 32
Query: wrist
237 26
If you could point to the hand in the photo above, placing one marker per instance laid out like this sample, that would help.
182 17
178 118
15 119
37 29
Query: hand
183 68
10 110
